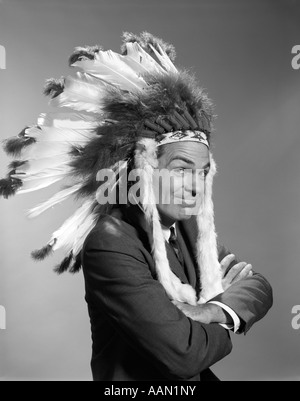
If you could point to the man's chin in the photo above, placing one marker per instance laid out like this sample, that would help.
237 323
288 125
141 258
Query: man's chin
185 215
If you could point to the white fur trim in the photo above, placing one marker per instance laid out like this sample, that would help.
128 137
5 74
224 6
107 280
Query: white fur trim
146 159
207 253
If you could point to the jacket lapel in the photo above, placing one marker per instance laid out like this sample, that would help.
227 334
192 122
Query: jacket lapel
187 274
190 269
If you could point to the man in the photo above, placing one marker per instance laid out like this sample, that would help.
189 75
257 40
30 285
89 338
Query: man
162 293
138 333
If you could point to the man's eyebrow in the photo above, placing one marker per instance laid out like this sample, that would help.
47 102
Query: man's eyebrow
184 159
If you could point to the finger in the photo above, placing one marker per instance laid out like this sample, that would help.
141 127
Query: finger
243 274
235 270
250 274
226 261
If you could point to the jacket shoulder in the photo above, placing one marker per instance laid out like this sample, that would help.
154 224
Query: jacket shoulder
113 234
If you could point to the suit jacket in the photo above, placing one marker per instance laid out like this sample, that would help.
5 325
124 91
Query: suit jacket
137 333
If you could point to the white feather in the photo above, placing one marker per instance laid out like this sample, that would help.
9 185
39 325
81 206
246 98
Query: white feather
54 200
164 60
42 150
65 234
51 172
138 54
82 232
53 134
110 67
36 185
64 100
70 120
36 166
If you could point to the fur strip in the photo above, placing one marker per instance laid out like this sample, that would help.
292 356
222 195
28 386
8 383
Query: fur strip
146 160
207 253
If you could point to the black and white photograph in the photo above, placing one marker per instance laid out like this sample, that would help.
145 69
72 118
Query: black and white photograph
150 193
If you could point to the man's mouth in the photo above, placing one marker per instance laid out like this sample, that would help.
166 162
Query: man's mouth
186 202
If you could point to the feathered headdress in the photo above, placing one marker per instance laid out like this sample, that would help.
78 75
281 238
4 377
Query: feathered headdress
117 110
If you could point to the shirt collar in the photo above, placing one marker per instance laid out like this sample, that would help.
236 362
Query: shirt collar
167 231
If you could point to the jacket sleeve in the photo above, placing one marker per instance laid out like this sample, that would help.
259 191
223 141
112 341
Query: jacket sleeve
119 283
250 298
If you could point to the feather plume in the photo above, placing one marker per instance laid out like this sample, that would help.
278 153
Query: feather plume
32 167
65 264
81 90
47 173
146 62
69 120
86 52
110 67
38 184
69 136
15 164
54 87
145 40
42 150
42 253
54 200
64 100
75 268
164 60
14 146
9 187
64 236
82 232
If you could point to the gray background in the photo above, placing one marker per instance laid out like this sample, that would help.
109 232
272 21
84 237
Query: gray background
241 52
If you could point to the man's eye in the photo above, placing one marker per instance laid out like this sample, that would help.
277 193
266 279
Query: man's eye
204 173
180 170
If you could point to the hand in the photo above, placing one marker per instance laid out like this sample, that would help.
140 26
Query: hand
238 272
204 313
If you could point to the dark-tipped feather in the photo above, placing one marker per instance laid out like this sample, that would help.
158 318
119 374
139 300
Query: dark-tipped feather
14 146
65 264
41 254
76 267
16 164
86 52
145 40
9 186
54 87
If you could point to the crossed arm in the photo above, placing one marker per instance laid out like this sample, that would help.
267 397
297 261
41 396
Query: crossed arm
247 293
120 284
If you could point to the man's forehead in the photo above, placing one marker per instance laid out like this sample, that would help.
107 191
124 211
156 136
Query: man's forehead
186 150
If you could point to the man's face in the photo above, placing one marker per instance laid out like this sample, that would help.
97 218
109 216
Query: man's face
187 164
